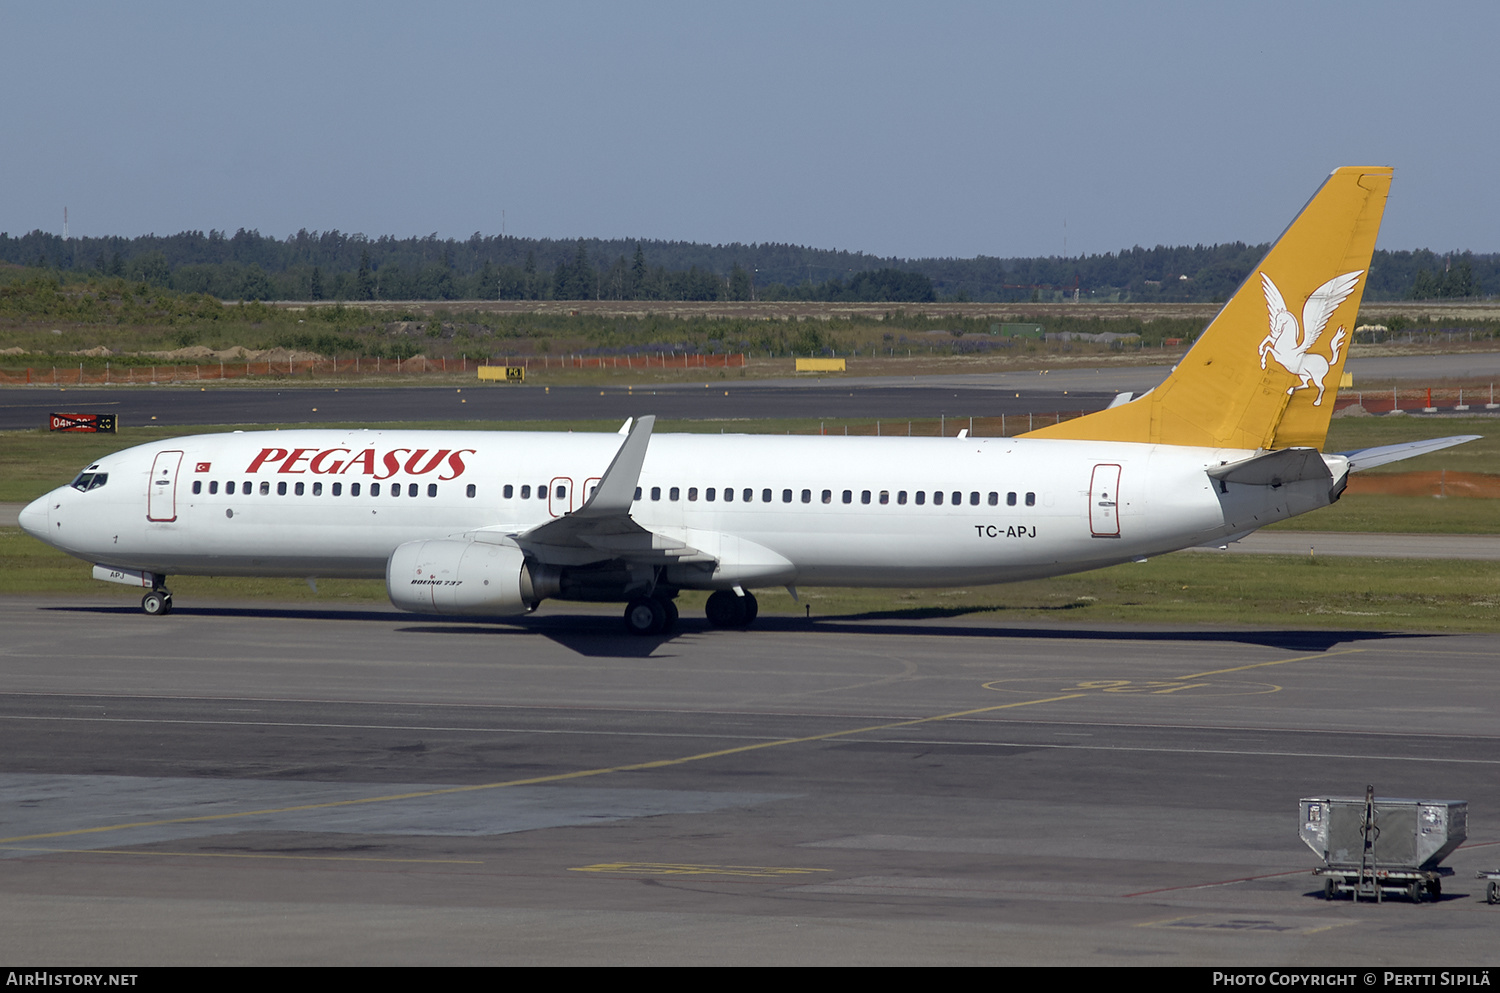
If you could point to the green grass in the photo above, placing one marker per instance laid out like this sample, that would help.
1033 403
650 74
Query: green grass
1401 514
1349 433
1184 588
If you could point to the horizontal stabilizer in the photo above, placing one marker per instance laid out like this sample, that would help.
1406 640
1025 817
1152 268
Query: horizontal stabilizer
1286 465
1369 458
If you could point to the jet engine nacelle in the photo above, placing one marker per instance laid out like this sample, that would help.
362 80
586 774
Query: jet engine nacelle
444 576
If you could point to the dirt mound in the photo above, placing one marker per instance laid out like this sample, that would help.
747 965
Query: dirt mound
199 352
239 353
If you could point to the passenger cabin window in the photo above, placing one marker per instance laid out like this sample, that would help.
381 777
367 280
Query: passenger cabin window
374 489
848 496
728 494
265 487
637 492
937 498
1031 499
197 486
786 496
1010 499
298 489
280 488
526 493
994 499
469 492
432 489
921 497
864 496
885 496
510 491
674 493
338 489
807 496
901 498
765 496
229 487
974 499
693 493
354 489
656 492
411 489
828 496
317 489
213 486
708 495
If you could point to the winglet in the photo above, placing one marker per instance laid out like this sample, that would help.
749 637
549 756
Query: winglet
616 490
1242 387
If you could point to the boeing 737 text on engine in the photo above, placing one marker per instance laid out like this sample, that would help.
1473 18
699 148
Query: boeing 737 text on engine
492 523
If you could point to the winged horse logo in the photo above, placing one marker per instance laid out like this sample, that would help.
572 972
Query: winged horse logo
1289 346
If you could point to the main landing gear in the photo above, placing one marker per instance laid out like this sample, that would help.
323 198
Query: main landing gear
157 603
655 614
727 609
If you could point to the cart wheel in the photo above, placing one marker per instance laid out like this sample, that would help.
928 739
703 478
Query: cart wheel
1414 891
1492 894
1330 888
1435 889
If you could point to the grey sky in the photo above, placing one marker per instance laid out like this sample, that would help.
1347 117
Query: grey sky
897 129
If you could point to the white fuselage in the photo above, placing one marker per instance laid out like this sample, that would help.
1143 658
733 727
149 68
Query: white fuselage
841 511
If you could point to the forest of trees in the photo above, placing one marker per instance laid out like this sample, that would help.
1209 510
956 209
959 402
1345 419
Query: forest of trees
331 265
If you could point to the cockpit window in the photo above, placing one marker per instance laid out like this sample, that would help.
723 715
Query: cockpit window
90 480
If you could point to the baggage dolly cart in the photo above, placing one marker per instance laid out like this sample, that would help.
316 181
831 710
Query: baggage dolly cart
1415 884
1491 889
1377 846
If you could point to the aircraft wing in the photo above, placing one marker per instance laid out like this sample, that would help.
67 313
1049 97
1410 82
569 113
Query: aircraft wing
603 528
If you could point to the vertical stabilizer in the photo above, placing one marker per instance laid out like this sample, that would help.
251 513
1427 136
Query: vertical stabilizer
1265 372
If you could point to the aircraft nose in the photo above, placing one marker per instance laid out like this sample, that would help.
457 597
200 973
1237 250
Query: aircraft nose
33 518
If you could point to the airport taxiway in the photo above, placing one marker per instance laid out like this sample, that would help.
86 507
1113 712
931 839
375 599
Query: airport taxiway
293 785
892 399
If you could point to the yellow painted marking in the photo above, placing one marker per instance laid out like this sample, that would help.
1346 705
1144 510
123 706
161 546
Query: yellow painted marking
681 869
1259 665
1153 687
1127 686
242 855
536 780
1176 684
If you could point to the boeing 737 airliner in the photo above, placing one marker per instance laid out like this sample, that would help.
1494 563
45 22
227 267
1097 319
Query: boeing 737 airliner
492 523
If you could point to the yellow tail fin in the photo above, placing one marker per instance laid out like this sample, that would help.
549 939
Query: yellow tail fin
1265 372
